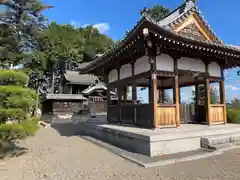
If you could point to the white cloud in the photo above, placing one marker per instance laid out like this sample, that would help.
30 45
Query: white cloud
231 87
102 27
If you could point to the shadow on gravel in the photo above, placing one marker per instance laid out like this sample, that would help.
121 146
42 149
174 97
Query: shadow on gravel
70 128
13 151
66 129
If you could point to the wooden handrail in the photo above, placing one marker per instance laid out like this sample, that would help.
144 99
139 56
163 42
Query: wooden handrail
166 105
217 105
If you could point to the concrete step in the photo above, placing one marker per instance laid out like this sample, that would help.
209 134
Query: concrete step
219 141
221 146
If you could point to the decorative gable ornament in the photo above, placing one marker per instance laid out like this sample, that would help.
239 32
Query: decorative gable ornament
189 5
191 31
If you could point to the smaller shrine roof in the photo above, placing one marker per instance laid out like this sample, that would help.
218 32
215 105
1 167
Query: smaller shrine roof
85 79
92 88
65 97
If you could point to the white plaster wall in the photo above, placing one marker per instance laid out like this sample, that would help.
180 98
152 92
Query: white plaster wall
113 76
185 63
141 65
125 71
214 69
165 63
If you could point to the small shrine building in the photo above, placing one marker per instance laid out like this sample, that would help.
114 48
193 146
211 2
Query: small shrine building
178 51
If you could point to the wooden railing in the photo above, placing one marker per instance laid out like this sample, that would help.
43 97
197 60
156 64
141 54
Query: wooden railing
217 113
132 114
166 115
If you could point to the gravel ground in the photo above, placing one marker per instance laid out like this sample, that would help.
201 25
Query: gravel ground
59 155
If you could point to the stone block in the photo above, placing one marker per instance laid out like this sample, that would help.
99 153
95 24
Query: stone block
235 137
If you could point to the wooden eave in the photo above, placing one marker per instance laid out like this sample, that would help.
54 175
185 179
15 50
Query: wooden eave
168 37
129 40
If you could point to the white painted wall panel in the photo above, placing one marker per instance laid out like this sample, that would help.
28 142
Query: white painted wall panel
112 76
165 63
185 63
125 71
214 69
141 65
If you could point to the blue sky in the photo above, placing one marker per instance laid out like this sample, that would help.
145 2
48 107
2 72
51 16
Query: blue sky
115 17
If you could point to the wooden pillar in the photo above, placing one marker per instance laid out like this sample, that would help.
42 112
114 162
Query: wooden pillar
207 100
223 96
196 118
163 96
150 43
153 98
125 89
153 92
119 93
207 96
176 94
134 96
176 100
159 95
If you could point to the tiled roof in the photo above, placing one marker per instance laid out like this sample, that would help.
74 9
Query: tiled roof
65 97
75 78
233 46
180 14
90 89
165 28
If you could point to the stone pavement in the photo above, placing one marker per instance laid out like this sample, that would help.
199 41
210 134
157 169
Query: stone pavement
57 154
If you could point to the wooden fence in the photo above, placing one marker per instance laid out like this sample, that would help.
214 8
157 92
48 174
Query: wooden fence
187 113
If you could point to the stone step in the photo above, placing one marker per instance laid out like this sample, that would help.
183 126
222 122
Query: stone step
221 146
218 141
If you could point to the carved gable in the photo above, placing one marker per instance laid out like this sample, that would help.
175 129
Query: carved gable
192 31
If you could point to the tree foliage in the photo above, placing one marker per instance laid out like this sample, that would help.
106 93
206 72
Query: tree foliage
10 48
25 19
14 97
72 45
235 103
233 115
16 102
158 12
64 47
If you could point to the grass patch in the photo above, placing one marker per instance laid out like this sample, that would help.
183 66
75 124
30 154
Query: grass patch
233 115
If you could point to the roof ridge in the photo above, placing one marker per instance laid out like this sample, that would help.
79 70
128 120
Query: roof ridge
207 25
189 7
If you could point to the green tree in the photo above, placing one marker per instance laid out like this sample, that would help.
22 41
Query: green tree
65 47
10 48
16 102
235 103
24 18
19 27
158 12
73 45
